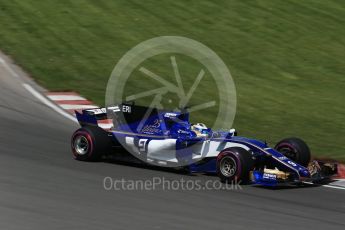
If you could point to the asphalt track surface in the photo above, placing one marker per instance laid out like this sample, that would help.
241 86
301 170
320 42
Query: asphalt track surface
42 187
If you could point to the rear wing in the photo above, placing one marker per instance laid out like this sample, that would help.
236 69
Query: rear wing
108 117
94 117
132 118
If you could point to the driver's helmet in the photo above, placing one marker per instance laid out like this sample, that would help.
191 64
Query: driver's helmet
200 130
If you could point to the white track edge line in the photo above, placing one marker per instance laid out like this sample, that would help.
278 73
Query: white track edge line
48 103
327 186
36 93
333 186
8 68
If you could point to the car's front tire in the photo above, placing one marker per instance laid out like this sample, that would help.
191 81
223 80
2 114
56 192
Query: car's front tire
234 165
89 143
295 149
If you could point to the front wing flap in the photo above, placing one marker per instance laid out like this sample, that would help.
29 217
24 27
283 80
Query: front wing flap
322 170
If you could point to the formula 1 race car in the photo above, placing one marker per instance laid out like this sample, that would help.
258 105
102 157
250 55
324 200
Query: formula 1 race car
167 138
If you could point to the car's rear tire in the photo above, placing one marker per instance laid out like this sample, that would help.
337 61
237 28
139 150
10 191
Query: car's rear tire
234 165
90 143
295 149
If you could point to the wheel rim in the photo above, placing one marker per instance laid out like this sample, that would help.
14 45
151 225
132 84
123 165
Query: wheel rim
81 145
288 152
228 166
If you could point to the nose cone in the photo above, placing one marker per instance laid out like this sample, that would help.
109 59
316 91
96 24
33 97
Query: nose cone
303 172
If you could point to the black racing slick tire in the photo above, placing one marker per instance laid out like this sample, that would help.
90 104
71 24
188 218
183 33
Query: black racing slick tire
295 149
234 165
90 143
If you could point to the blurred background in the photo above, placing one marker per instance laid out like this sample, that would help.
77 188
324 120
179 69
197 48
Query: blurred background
287 58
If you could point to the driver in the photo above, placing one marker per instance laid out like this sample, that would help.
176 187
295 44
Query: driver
200 130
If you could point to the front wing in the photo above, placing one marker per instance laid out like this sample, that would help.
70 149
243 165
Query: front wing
319 171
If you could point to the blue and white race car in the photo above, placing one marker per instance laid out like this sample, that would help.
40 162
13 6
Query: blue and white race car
167 138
